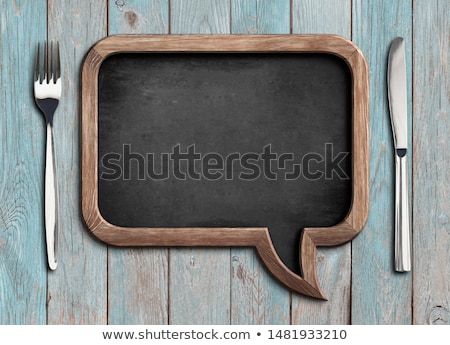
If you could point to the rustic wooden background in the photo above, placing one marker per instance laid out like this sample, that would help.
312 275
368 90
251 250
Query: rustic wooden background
96 284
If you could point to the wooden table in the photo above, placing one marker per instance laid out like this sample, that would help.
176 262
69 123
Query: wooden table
96 284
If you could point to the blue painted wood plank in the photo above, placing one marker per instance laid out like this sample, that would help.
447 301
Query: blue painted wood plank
200 16
260 16
23 264
138 278
322 17
199 281
199 284
333 264
256 297
380 295
78 288
138 17
431 163
138 286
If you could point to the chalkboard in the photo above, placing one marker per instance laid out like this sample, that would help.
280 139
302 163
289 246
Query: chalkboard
228 140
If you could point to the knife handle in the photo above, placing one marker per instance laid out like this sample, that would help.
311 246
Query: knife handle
402 225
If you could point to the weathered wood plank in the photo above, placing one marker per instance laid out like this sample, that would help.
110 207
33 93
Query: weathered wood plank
260 17
138 17
138 278
333 264
431 165
23 264
256 298
77 289
199 281
379 295
200 16
199 285
322 16
138 286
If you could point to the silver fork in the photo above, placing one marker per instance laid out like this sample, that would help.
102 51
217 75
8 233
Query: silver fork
47 92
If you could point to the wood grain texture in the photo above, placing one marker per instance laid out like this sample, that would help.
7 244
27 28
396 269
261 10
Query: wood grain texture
379 295
257 297
138 17
138 286
138 278
200 17
431 105
260 17
199 286
322 17
333 264
23 262
77 292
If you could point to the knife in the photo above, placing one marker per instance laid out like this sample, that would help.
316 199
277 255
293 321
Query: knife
397 94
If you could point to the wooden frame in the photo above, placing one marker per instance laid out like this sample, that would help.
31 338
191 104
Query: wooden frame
259 238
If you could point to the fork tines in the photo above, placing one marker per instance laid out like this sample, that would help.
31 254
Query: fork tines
47 79
50 70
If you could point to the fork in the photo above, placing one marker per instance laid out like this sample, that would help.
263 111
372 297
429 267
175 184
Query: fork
47 92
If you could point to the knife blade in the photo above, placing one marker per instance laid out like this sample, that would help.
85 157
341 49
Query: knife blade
397 95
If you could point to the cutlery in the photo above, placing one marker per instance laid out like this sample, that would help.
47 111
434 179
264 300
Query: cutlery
47 92
397 94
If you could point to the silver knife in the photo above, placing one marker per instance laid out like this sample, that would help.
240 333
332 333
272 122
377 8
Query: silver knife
397 94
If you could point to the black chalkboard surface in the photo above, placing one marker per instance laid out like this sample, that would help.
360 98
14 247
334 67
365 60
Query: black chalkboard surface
227 140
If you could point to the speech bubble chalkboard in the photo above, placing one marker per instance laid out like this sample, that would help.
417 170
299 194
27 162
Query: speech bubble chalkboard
227 141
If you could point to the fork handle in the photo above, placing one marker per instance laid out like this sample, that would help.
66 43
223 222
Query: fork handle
51 199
